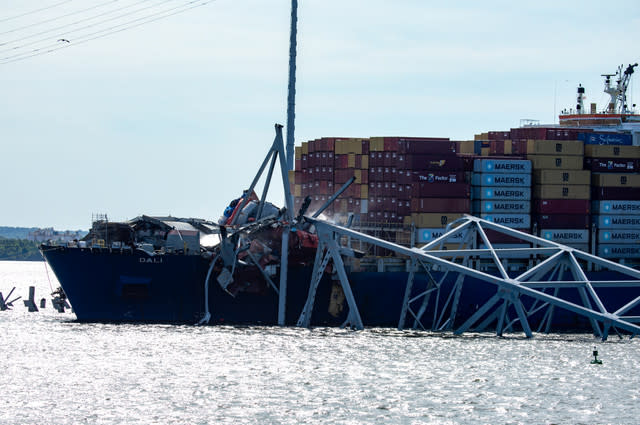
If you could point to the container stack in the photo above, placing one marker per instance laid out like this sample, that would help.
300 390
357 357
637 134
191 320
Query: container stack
386 197
319 171
615 187
501 194
560 191
351 159
435 189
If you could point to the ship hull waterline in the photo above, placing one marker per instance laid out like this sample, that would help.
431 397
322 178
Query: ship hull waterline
120 286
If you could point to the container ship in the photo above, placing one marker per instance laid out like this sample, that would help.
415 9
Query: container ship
575 184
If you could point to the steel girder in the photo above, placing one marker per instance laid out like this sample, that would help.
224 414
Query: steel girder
546 264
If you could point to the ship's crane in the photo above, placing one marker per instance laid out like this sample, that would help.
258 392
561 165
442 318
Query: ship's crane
618 92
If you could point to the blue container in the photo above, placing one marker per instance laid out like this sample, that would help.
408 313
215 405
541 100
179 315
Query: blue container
618 251
617 221
426 235
566 236
515 221
502 166
509 207
501 179
619 236
605 138
616 207
503 193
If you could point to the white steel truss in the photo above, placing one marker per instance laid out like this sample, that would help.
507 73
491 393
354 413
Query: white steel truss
546 265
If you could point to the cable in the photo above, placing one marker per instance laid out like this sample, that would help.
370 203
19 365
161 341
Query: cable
51 48
79 22
34 11
80 40
57 17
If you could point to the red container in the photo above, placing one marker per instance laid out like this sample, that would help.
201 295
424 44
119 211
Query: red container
404 207
426 146
498 237
404 191
615 193
563 221
499 135
342 175
438 177
390 144
561 206
364 176
537 133
612 165
450 205
365 147
496 147
440 190
434 162
341 161
519 147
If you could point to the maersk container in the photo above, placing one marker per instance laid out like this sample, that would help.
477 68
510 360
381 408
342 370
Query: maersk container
619 236
616 207
514 221
616 221
501 180
427 235
566 236
502 166
510 207
618 251
502 193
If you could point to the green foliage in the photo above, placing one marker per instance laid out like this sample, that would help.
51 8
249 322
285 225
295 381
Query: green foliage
19 250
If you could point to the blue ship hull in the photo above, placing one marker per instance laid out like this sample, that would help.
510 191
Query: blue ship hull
131 286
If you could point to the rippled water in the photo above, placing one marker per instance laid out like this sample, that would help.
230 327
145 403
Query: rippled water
56 371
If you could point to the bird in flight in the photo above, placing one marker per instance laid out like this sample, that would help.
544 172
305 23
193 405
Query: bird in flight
64 39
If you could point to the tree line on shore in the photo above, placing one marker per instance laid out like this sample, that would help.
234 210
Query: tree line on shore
19 250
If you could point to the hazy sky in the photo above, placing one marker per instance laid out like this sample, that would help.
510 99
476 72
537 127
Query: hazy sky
175 116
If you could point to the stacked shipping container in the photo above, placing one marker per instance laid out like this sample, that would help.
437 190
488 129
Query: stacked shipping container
616 197
561 191
425 183
439 191
502 192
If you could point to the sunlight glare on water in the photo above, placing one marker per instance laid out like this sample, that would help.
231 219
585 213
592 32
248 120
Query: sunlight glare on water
61 372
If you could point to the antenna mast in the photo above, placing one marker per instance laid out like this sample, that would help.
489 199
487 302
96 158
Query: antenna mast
291 101
618 93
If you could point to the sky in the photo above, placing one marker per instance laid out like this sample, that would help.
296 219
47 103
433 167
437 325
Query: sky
174 117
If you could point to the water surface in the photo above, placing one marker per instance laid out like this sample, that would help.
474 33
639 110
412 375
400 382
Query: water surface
56 371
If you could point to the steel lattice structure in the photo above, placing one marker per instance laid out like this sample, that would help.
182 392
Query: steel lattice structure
548 263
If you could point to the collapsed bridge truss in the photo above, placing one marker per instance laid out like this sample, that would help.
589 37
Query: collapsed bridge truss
547 266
